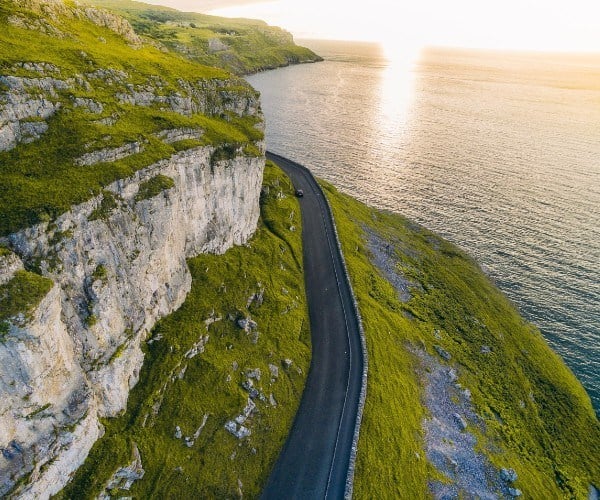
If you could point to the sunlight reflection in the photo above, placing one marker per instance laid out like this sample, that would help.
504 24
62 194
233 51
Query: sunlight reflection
396 91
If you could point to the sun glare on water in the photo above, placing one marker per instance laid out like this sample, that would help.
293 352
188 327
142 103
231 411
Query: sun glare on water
397 81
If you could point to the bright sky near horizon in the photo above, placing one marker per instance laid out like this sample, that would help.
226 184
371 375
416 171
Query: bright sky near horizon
552 25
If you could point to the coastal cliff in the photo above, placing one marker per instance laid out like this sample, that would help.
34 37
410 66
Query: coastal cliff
75 357
241 46
154 335
149 168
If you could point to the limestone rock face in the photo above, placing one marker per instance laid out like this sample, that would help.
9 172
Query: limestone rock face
114 23
118 262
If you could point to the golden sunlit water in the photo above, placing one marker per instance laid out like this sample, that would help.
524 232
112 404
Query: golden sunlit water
498 152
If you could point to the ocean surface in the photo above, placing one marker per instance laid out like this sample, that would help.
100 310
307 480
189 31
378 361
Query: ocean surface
498 152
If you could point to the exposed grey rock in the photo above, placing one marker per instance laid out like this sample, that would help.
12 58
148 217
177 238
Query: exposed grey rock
197 347
213 318
255 373
179 134
199 429
36 24
206 96
47 84
287 363
249 386
449 445
216 45
178 433
108 75
32 131
240 432
22 116
442 352
514 492
460 421
109 154
384 258
256 299
9 265
38 67
126 476
508 475
114 23
272 400
246 324
108 120
485 349
246 412
274 370
91 105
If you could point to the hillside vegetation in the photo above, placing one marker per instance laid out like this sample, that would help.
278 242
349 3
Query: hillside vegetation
85 101
238 45
458 381
204 367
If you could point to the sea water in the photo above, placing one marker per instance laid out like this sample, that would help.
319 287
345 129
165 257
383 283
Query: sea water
498 152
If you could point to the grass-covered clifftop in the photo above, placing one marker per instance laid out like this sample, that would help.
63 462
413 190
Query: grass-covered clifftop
238 45
460 386
84 101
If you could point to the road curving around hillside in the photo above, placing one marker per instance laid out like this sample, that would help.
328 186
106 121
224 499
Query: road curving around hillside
317 460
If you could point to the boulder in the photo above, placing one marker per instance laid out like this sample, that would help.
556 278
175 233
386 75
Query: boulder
460 421
442 352
274 370
508 475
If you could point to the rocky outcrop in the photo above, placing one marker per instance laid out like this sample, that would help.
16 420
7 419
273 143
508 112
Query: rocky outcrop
179 134
124 478
216 45
27 104
114 23
22 113
9 265
210 97
118 264
109 154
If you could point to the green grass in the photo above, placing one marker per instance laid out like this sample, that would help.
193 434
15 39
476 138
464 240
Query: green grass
252 45
154 186
552 442
222 285
42 180
22 294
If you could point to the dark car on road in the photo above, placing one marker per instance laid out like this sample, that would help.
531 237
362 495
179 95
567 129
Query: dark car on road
299 193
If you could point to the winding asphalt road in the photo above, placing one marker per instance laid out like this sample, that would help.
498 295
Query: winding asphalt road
314 461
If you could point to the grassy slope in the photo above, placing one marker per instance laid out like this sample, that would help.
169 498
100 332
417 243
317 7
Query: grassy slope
253 45
40 180
552 442
222 284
